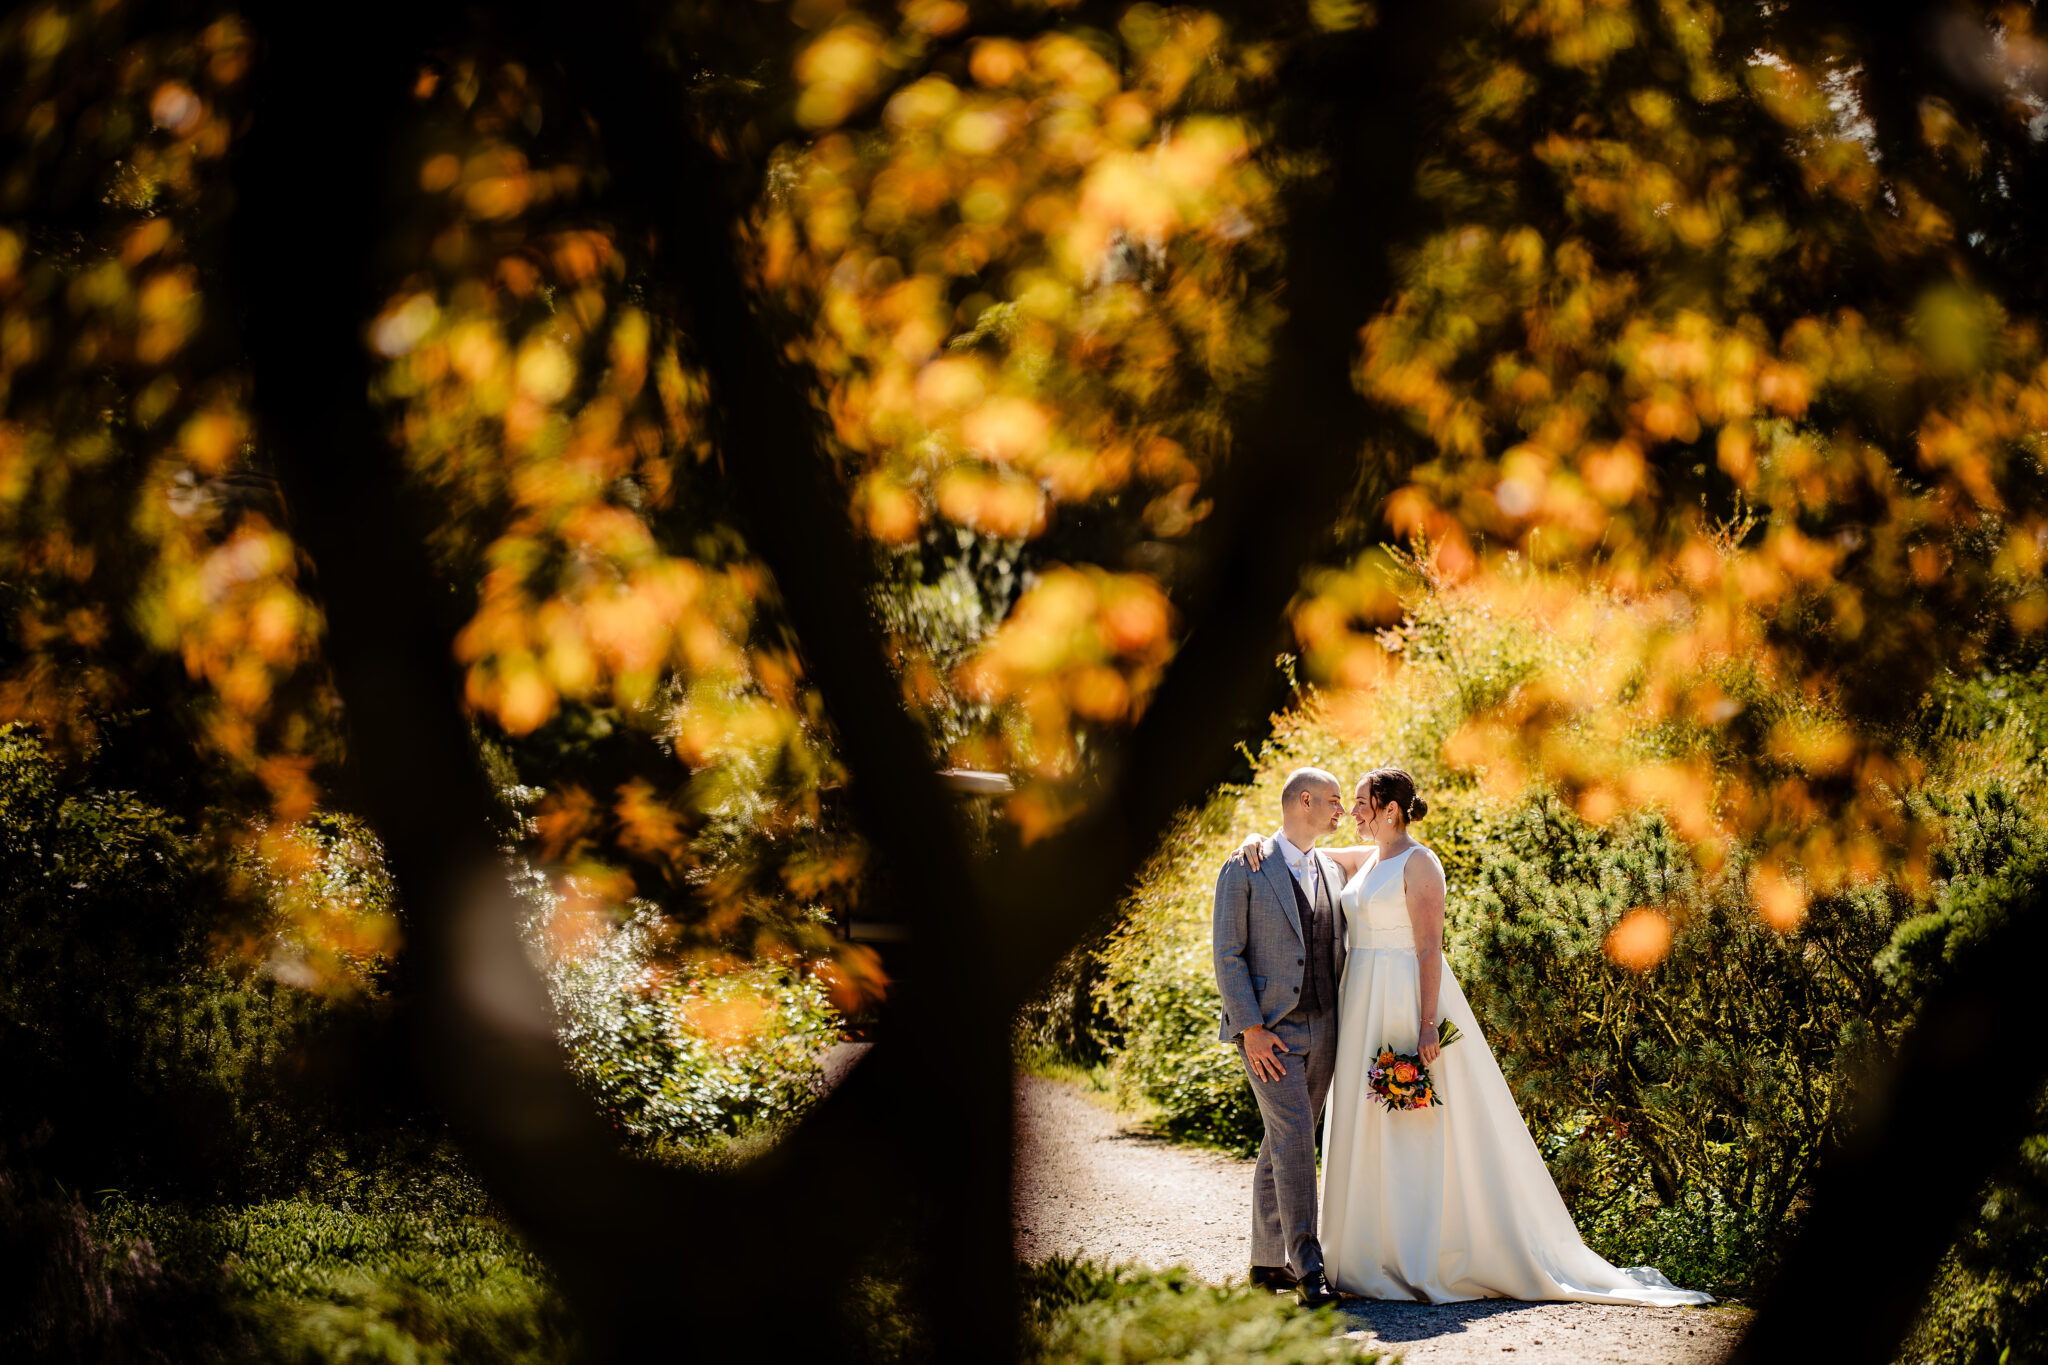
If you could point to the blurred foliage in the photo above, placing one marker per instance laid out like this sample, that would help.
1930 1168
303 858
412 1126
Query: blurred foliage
1989 1305
66 1295
1029 295
414 1284
1657 344
1665 347
939 604
280 1283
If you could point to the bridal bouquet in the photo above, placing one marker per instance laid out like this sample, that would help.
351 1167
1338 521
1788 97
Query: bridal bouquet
1399 1080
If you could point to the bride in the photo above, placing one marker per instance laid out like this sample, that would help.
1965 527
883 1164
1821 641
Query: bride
1451 1202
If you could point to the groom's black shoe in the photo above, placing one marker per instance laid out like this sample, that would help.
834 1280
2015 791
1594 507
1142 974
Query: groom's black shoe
1313 1290
1272 1277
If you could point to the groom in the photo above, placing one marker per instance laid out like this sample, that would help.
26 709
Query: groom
1279 948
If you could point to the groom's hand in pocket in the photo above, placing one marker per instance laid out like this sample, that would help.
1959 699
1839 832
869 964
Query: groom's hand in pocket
1261 1049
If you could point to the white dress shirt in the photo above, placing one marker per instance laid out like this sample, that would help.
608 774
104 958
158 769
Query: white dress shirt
1306 867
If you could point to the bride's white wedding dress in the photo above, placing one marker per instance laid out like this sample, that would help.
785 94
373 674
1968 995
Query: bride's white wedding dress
1452 1202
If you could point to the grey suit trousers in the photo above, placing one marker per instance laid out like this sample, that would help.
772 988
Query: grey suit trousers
1284 1182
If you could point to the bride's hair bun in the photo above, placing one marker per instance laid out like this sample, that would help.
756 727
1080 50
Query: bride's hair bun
1392 784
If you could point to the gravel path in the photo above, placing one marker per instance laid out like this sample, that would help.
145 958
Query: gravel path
1086 1182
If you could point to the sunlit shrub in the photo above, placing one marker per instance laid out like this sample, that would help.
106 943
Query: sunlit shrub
688 1055
1082 1312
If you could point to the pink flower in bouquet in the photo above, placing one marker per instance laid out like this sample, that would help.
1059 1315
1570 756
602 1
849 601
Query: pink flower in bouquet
1404 1071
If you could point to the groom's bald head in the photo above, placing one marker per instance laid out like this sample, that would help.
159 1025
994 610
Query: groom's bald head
1306 782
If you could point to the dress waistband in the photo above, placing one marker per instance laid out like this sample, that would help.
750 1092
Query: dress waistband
1397 939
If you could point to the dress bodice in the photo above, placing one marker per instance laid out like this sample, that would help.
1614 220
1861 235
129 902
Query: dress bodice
1376 905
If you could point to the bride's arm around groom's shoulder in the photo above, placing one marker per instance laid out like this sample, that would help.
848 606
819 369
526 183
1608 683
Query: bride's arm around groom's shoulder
1251 852
1350 859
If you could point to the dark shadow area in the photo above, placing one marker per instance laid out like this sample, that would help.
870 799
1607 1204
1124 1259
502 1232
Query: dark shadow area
1394 1322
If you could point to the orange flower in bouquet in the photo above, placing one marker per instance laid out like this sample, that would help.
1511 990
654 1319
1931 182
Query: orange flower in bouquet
1399 1080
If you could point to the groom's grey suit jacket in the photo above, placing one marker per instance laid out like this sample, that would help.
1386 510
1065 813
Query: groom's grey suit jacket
1259 941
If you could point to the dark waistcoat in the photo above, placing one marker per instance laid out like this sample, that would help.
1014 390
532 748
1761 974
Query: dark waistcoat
1319 929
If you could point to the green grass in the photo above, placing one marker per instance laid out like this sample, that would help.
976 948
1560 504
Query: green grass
1090 1080
314 1282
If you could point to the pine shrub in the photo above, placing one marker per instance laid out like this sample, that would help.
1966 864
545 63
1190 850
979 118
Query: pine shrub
1083 1313
1683 1108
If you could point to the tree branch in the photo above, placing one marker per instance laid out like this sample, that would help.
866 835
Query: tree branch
1362 101
312 182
